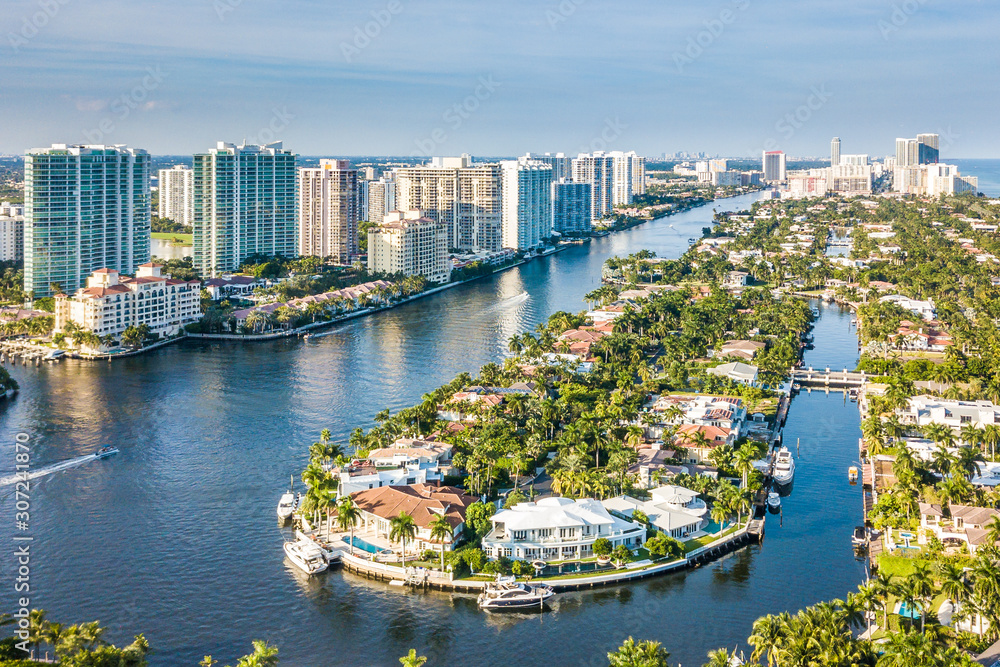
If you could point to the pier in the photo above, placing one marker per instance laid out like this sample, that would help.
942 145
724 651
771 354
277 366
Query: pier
26 351
844 379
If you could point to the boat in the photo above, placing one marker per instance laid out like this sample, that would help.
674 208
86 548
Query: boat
774 500
306 336
105 452
784 467
287 505
852 474
307 556
815 313
508 593
860 536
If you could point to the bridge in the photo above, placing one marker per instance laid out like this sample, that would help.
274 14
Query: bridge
811 377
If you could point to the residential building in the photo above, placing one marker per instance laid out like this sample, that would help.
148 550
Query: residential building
859 160
774 166
932 180
737 372
966 523
464 197
743 349
924 149
571 207
226 286
410 243
724 179
110 303
405 463
85 207
597 169
329 202
835 152
11 238
557 529
381 198
562 166
672 510
526 203
176 191
924 309
923 411
699 441
379 506
244 205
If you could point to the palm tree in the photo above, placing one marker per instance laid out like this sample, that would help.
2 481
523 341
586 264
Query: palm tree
402 527
264 655
441 530
720 658
36 628
768 635
639 654
348 516
411 659
208 661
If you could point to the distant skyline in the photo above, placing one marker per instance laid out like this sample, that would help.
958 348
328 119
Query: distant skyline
442 77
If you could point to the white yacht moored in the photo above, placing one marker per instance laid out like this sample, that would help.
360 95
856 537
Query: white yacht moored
784 467
307 556
508 593
774 500
286 506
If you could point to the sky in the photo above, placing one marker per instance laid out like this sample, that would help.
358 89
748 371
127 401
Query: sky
444 77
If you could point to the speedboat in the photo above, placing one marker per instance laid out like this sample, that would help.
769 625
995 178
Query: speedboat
105 452
307 556
508 593
860 536
774 500
852 474
784 467
287 505
815 313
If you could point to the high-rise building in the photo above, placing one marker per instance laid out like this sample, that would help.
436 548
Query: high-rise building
597 169
571 207
244 205
562 166
860 160
774 166
329 205
527 203
925 149
381 198
835 152
465 197
176 190
86 207
932 180
11 237
410 243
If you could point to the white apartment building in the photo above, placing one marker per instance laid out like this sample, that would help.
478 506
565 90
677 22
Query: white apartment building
464 197
557 529
11 237
925 410
411 243
110 303
329 211
562 166
244 205
722 179
176 190
527 203
835 152
85 207
381 198
933 180
571 207
597 169
774 166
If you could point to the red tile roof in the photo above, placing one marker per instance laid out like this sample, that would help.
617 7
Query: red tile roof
419 501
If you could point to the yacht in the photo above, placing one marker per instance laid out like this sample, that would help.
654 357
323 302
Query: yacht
774 500
306 556
508 593
287 505
852 474
784 467
860 536
815 313
105 452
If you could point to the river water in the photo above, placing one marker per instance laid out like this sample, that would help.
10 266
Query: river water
176 537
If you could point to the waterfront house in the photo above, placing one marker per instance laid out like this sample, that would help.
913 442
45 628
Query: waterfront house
553 529
697 451
406 462
922 337
966 524
726 412
673 510
742 349
651 463
924 410
226 286
422 502
737 372
924 309
989 475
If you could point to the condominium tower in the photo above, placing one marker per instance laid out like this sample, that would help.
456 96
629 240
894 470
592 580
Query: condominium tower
527 203
381 198
571 208
244 205
597 169
329 204
835 152
176 191
86 207
410 243
462 196
774 166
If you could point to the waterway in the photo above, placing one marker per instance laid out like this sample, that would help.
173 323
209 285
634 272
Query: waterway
175 536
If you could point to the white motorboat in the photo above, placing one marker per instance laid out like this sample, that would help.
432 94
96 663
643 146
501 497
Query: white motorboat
784 467
307 556
774 500
508 593
860 536
815 313
287 505
105 452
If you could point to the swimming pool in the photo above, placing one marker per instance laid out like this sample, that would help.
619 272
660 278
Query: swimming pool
359 543
905 611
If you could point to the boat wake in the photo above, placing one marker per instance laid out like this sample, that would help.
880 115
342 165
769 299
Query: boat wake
507 303
49 469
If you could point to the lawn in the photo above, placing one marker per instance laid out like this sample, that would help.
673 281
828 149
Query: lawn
898 566
175 238
692 545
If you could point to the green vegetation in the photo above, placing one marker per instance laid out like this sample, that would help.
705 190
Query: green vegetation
179 239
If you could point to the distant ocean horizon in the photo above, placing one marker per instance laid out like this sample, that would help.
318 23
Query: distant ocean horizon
988 172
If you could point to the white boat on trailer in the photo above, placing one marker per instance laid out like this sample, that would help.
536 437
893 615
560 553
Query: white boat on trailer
307 556
784 467
508 593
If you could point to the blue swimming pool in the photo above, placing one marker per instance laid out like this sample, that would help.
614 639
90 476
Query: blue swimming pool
905 611
364 546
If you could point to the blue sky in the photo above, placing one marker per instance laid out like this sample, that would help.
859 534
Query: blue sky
501 78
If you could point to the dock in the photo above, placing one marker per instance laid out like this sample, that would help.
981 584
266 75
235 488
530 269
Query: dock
810 377
26 351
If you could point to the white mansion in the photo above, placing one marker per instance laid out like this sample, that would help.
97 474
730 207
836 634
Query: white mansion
110 303
557 529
